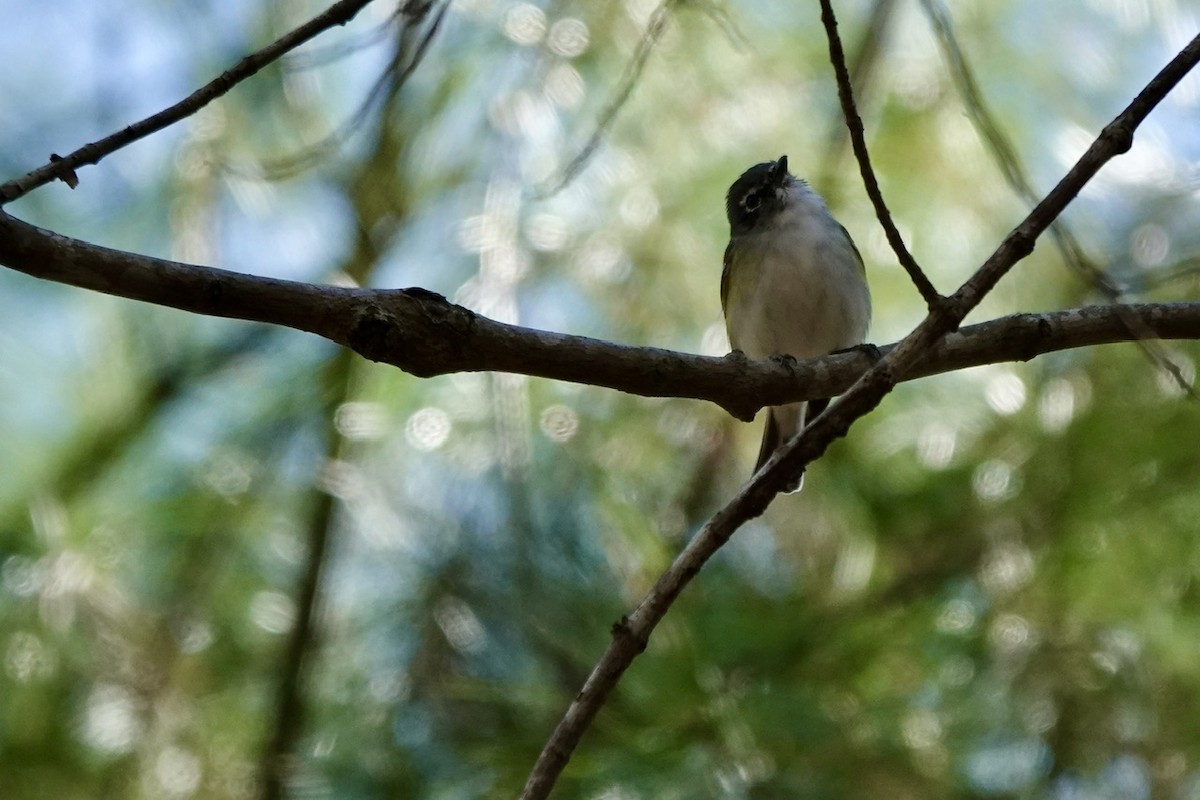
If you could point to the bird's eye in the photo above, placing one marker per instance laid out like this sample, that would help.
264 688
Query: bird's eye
751 201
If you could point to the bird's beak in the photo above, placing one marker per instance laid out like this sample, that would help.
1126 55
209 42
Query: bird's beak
779 171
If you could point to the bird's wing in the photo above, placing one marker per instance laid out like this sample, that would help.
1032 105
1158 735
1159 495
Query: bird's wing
725 279
861 266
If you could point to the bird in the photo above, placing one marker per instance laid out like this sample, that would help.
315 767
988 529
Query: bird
793 284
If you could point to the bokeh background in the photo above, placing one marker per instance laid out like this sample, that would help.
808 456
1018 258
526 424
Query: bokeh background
989 589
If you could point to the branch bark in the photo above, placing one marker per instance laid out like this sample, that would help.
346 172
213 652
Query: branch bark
425 335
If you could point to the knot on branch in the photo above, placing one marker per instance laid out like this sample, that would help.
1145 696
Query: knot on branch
1024 338
622 630
414 329
1044 331
1120 134
737 406
1022 243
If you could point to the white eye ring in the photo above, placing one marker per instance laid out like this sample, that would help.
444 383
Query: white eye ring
751 197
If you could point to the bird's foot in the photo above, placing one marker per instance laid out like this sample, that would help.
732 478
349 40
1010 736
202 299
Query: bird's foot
868 349
737 356
786 359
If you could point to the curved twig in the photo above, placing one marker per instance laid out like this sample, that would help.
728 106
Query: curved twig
862 68
858 140
654 31
404 62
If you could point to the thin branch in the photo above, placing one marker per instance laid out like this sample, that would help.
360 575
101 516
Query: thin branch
1185 268
404 63
1013 171
297 663
862 71
629 80
323 56
302 639
858 140
425 335
63 167
632 633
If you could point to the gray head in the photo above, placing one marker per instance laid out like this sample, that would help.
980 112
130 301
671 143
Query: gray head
758 195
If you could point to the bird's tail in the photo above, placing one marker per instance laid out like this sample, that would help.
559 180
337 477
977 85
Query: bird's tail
783 423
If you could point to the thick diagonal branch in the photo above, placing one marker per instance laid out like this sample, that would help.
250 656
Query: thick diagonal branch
631 635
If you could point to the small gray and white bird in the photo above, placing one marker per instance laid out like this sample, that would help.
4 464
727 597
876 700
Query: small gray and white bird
793 284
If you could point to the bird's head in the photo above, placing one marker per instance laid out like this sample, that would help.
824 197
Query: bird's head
759 194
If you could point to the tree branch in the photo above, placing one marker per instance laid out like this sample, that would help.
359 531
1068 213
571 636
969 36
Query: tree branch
862 70
858 141
63 167
632 633
302 639
424 334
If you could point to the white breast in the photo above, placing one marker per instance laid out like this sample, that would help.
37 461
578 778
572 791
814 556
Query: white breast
796 285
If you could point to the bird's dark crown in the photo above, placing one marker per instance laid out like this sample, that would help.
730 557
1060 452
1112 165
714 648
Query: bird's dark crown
756 194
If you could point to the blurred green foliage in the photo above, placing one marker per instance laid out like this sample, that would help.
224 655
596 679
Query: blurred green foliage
987 589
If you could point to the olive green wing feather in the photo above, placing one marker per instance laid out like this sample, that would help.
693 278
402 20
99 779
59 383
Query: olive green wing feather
725 279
